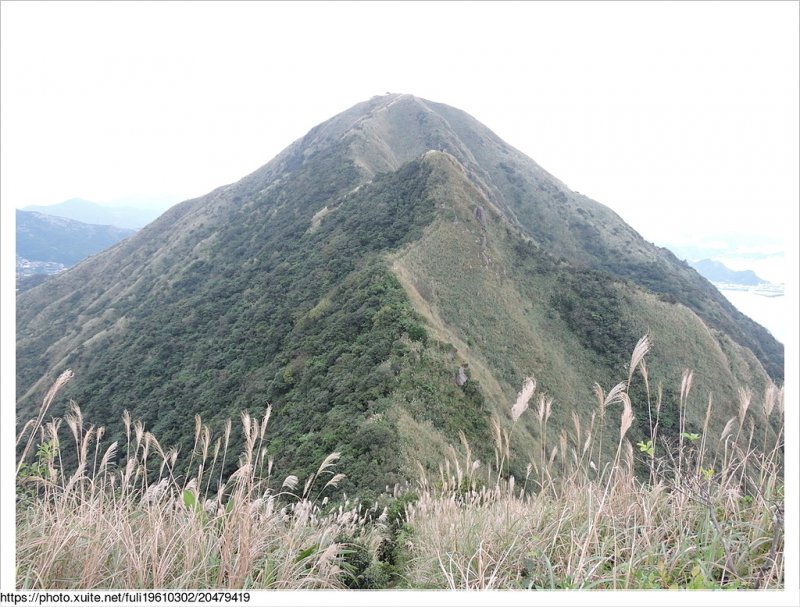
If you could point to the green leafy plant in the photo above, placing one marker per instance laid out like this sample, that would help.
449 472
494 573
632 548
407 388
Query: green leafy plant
647 447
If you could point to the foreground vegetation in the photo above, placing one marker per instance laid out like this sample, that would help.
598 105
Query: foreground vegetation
674 513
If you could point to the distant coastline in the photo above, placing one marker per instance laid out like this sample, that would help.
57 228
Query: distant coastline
764 303
766 289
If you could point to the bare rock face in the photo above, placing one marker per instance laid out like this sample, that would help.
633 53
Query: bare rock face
461 376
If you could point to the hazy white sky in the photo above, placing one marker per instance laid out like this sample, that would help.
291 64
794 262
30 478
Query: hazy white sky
683 117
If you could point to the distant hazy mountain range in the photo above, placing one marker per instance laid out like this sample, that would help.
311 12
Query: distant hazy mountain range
47 244
716 271
131 217
761 254
51 238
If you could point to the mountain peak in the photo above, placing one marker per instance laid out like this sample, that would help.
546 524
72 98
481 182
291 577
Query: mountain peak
349 281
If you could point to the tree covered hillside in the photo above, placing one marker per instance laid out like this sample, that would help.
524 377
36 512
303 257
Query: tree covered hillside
385 284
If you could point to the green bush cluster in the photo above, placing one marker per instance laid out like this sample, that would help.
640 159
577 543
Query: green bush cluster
590 303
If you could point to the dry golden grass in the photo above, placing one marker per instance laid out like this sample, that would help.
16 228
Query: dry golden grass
142 527
708 515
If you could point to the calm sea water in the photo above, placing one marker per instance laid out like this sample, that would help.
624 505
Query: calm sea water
770 312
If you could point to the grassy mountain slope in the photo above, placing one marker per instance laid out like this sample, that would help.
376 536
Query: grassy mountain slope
511 308
350 279
389 131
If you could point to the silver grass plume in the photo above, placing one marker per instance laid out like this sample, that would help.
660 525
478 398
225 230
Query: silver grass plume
523 398
627 416
639 352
